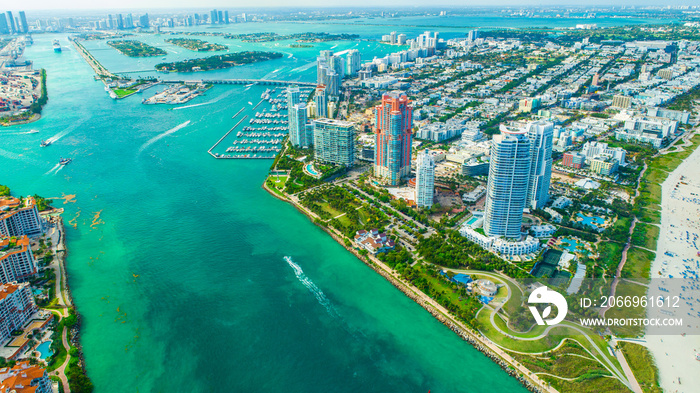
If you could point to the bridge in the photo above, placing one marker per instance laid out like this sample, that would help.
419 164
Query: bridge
268 82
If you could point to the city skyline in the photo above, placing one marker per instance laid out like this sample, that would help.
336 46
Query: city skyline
416 5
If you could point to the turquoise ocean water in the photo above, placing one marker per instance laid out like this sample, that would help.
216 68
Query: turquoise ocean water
181 280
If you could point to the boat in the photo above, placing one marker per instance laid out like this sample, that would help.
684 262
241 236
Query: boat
56 46
65 161
45 143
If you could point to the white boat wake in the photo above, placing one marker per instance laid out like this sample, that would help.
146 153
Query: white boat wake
55 168
304 67
316 291
163 135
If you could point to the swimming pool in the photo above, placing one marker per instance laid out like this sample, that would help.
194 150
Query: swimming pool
311 170
572 245
591 221
472 220
44 350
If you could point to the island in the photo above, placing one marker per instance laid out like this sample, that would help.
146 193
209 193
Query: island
299 37
133 48
196 45
218 62
270 36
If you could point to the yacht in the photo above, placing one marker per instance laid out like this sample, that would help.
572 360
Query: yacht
65 161
56 46
45 143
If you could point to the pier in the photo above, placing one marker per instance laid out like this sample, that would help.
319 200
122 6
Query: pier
225 135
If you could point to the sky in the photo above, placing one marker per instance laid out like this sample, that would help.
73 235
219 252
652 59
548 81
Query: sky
154 4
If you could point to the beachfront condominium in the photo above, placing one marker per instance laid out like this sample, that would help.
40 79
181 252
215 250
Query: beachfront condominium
353 62
393 132
334 141
19 217
17 261
297 126
507 188
321 101
25 378
540 134
425 179
296 115
16 307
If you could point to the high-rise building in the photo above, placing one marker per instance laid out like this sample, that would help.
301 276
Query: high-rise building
329 71
297 126
17 306
17 261
334 141
393 130
21 219
473 35
508 181
540 134
129 21
23 22
11 22
220 16
120 21
214 16
226 17
143 21
425 179
353 62
4 28
296 115
321 100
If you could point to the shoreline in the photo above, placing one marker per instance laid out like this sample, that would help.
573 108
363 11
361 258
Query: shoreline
70 335
32 119
499 356
674 355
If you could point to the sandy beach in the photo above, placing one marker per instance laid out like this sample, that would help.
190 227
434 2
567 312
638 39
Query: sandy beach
677 258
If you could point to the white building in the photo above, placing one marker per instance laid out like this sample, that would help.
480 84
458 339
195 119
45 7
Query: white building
425 179
16 259
541 135
19 217
16 307
500 245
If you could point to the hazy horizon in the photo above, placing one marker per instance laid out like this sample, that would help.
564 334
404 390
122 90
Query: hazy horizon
88 5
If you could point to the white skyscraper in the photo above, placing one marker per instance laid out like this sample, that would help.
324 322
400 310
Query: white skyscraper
507 189
296 115
425 179
353 61
321 100
540 134
297 126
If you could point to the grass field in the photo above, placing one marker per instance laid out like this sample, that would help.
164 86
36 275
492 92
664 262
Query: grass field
645 235
625 289
638 264
123 92
642 364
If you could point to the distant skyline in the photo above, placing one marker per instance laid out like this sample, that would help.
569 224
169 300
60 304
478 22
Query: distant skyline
180 4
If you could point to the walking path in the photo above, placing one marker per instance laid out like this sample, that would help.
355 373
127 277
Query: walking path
61 371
